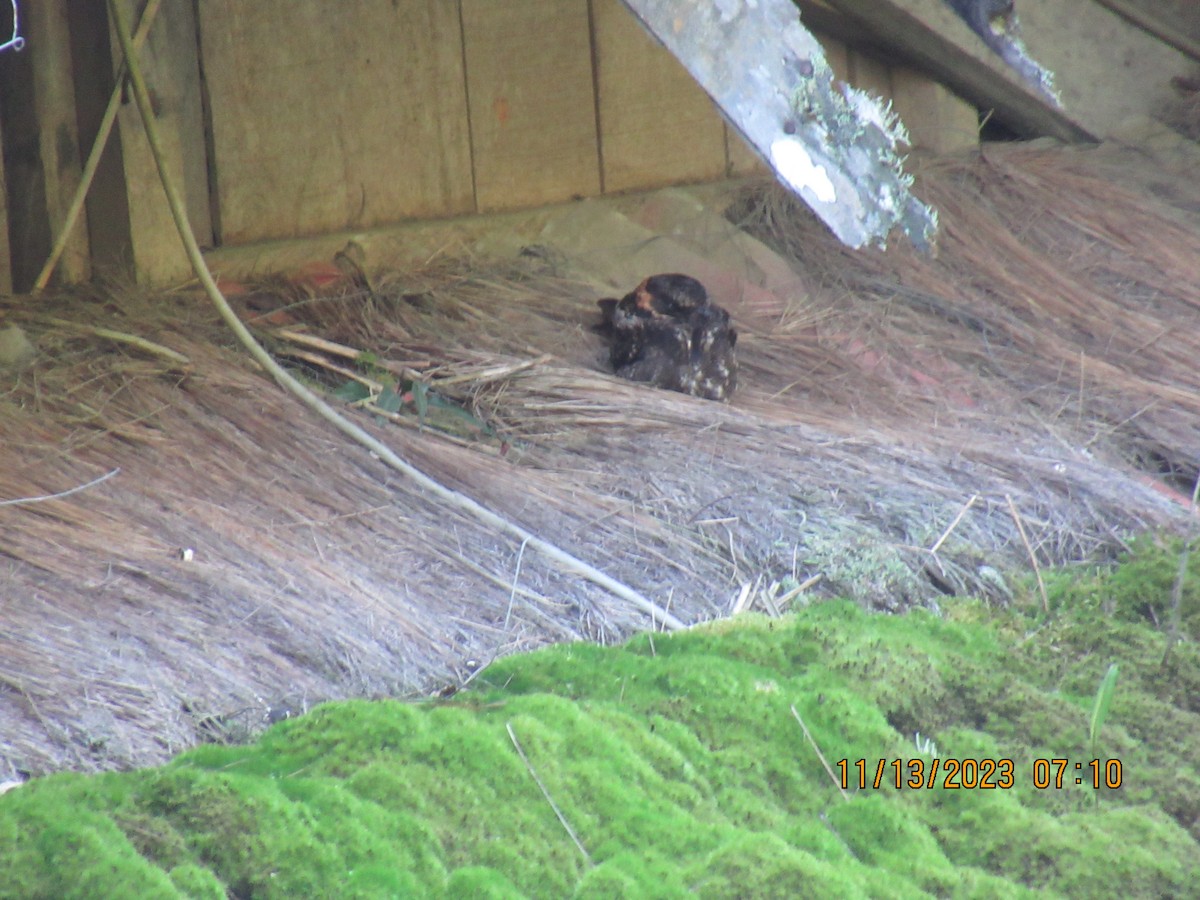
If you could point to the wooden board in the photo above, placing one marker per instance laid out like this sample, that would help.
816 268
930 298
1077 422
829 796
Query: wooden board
937 119
868 73
334 116
767 73
533 109
107 206
1174 22
1131 77
55 104
740 158
657 126
170 67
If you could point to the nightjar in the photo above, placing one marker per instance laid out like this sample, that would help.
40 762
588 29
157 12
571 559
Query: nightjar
667 333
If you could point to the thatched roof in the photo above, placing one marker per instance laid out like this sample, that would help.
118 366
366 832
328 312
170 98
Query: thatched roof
901 421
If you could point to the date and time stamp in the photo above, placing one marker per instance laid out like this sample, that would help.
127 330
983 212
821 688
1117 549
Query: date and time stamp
977 774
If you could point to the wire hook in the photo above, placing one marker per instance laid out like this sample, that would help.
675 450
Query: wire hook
16 42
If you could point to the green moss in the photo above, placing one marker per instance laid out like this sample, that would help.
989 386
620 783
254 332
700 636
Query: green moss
480 883
197 882
680 765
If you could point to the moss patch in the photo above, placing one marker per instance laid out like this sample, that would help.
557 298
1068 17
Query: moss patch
680 765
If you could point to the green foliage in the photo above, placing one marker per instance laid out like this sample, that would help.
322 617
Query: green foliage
1140 588
678 763
368 361
352 392
1103 701
432 409
389 401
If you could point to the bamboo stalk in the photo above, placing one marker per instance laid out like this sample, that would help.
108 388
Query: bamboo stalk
311 340
122 337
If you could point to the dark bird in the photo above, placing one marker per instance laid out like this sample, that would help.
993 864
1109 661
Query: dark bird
665 332
675 296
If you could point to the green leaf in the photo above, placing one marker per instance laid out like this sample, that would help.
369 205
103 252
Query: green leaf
389 400
420 392
352 392
1100 707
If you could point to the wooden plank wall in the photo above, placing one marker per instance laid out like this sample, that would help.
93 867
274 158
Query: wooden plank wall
286 118
331 116
327 118
656 125
532 105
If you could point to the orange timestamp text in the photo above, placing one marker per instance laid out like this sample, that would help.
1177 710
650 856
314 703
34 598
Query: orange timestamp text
976 774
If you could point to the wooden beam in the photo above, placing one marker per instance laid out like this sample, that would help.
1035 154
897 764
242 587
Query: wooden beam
107 203
1106 69
1155 25
928 35
767 72
170 61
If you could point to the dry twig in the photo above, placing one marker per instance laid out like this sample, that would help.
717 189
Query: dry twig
61 494
820 755
545 793
1016 516
950 528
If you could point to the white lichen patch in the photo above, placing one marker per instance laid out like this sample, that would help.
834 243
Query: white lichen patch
795 166
877 112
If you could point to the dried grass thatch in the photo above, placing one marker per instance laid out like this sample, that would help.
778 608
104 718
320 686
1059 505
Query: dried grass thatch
901 421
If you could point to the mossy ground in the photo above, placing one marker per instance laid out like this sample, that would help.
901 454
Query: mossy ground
679 764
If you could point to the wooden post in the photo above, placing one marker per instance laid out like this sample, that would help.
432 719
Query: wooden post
41 146
169 60
6 284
